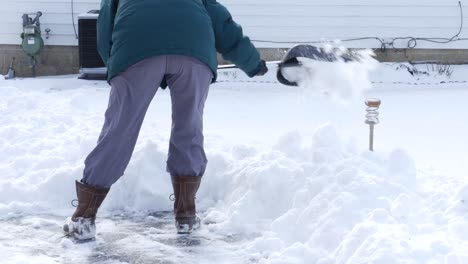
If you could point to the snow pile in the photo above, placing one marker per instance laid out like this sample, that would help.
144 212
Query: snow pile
339 79
327 203
45 135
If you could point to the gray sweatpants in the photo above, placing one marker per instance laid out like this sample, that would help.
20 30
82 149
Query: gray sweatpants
131 93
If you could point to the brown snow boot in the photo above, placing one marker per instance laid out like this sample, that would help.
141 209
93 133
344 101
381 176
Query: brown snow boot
185 189
81 224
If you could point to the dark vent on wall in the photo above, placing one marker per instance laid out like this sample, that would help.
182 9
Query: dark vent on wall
90 60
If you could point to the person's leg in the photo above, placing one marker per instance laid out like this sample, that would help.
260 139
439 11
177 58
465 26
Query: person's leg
188 81
130 96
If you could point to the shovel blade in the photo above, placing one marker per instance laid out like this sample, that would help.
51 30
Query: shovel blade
304 51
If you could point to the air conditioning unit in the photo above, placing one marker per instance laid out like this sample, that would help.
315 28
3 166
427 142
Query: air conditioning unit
91 64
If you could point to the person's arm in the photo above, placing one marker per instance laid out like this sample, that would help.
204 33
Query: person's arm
105 26
231 42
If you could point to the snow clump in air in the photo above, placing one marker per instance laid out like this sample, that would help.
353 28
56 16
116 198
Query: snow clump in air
339 79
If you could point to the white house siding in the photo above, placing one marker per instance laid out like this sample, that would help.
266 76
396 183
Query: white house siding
57 16
280 20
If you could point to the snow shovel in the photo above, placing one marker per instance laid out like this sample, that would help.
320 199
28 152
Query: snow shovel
11 71
300 51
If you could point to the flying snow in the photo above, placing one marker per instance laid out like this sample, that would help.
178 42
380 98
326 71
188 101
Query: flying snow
339 79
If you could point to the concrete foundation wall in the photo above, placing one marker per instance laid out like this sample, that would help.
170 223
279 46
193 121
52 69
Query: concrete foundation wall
444 56
60 60
53 60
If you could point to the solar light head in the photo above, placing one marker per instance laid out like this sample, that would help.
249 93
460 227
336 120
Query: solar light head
373 102
372 116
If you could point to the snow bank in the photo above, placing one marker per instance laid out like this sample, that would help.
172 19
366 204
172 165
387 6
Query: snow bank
325 203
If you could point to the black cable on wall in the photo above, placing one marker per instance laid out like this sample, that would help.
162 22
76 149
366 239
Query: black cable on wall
73 17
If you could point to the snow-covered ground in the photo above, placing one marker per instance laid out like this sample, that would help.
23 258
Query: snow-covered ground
289 178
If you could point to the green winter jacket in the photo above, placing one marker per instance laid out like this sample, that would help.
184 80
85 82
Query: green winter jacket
132 30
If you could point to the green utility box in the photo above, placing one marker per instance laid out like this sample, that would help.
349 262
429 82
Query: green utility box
32 41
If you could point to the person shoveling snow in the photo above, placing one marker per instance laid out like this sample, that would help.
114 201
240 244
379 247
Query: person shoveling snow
178 52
